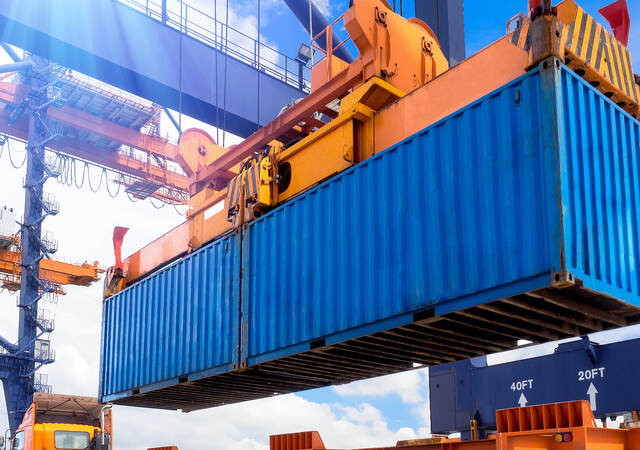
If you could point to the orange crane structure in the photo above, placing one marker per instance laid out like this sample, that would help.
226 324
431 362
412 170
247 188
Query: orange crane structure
102 126
53 273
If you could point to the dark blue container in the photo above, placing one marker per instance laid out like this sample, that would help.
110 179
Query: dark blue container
514 218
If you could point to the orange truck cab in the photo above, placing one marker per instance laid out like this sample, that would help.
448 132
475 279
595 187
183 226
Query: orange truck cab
63 422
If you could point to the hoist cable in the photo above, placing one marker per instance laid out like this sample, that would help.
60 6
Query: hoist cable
258 72
180 90
224 101
175 207
215 78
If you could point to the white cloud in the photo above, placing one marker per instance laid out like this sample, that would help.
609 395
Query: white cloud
603 337
324 6
364 413
247 426
409 386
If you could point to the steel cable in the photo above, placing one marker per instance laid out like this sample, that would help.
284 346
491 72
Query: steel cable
107 185
258 77
62 178
71 172
175 207
162 204
99 184
59 163
11 159
224 101
67 172
57 166
215 38
84 173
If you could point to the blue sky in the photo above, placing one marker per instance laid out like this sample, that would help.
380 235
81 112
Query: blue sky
484 22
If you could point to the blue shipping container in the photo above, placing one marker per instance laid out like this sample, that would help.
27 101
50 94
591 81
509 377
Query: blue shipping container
179 323
514 218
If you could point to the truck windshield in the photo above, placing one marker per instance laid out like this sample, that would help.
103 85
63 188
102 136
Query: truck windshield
71 440
18 441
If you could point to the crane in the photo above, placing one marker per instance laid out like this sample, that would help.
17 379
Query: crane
19 362
66 120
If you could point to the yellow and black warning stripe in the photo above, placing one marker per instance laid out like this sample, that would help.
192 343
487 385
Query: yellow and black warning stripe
594 46
593 53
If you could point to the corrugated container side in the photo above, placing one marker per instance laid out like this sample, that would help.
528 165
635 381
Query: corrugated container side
439 248
600 172
456 210
182 321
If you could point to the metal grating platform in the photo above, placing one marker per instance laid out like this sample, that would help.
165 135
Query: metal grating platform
107 102
79 92
539 316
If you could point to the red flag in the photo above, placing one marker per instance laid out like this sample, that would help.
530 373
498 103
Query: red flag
617 14
118 237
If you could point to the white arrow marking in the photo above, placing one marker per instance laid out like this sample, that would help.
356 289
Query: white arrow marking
591 392
522 401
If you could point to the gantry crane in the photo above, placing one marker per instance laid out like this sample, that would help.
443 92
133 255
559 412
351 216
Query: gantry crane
66 119
17 363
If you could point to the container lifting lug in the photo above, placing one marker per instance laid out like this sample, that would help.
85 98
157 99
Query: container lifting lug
381 17
427 46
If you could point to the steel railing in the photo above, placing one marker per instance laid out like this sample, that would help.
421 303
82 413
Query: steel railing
214 33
